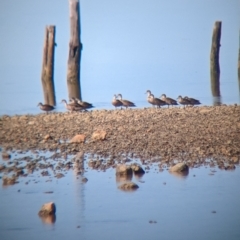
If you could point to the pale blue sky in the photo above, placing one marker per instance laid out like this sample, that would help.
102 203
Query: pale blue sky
129 46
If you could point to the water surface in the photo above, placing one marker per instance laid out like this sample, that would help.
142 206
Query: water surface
202 205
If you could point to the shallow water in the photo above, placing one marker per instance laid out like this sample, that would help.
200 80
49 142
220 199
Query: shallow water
183 207
128 48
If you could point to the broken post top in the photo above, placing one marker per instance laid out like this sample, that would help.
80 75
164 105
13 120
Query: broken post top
217 33
75 26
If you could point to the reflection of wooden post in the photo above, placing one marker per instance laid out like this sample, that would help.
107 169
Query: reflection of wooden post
75 48
214 59
48 66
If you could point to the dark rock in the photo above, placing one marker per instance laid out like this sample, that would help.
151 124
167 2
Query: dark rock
6 156
137 169
47 209
59 175
2 167
179 167
9 180
45 173
123 170
128 186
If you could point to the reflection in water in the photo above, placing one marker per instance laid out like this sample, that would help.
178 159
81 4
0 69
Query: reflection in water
123 178
217 101
215 87
180 175
138 176
49 219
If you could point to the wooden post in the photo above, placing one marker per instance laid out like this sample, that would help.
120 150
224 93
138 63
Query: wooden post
75 48
48 66
239 64
214 59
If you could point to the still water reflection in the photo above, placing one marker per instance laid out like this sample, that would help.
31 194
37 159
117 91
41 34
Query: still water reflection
17 100
203 204
217 101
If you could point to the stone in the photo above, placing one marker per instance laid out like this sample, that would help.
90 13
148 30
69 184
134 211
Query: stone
99 135
137 169
47 209
45 173
9 180
123 170
19 171
235 159
230 167
128 186
59 175
48 137
2 167
79 138
179 167
6 155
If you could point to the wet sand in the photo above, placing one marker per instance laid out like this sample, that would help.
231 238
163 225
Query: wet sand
197 135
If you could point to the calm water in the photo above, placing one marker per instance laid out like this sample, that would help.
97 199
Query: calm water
15 100
181 206
128 48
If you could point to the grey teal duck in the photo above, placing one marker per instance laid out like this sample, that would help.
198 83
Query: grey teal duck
45 107
85 105
116 102
169 101
126 103
154 101
193 101
183 101
72 106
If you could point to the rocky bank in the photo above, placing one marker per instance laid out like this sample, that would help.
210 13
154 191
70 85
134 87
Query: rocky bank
197 135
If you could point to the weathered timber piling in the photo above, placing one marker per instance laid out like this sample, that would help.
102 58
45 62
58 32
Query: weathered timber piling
214 59
239 64
48 66
75 48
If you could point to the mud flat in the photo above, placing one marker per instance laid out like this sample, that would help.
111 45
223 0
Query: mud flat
199 135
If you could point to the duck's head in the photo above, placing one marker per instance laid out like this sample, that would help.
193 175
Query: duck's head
120 95
179 97
63 101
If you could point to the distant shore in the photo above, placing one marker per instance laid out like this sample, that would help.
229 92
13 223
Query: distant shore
197 135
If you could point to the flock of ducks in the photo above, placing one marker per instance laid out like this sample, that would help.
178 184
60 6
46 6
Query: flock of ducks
164 100
76 104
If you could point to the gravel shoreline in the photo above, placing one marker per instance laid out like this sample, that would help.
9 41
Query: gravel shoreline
197 135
